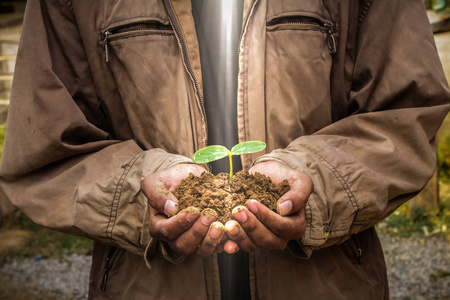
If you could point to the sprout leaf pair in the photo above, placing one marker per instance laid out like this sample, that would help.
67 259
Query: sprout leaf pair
215 152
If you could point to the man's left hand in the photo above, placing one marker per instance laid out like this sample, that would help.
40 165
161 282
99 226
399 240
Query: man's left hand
255 226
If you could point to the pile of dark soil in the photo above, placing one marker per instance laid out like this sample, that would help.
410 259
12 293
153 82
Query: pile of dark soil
218 193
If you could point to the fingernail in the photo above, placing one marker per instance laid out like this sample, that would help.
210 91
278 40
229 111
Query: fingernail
170 207
252 206
285 207
208 216
192 213
239 214
234 250
233 230
216 231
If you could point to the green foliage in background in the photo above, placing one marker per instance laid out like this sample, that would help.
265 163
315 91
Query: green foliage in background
404 224
443 156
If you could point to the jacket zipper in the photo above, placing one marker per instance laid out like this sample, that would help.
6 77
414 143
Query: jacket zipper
307 20
244 26
107 268
241 37
135 26
177 29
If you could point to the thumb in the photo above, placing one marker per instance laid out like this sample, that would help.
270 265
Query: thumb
159 197
295 199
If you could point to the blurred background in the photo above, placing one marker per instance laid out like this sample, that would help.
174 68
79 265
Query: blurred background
38 263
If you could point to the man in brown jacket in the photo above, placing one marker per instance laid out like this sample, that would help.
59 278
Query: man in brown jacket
107 107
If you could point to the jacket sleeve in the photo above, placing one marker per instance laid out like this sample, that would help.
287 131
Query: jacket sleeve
60 165
366 165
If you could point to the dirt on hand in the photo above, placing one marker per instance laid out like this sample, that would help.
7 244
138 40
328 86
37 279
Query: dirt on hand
218 193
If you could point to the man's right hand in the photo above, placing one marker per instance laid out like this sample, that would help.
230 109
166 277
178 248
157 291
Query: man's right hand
189 231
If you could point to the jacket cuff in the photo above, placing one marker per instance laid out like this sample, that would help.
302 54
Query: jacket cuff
127 226
168 254
155 248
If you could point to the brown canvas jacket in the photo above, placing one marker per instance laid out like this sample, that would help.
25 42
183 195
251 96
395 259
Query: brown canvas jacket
107 92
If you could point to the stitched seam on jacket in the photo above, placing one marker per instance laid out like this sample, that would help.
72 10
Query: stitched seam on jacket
116 199
333 234
180 161
342 181
310 220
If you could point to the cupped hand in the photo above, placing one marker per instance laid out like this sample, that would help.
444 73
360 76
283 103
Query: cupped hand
255 226
189 231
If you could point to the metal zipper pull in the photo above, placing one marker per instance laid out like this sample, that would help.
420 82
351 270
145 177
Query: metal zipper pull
105 41
331 40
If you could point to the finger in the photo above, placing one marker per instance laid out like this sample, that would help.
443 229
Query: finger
189 241
261 236
159 196
239 236
167 229
212 240
231 247
289 227
295 199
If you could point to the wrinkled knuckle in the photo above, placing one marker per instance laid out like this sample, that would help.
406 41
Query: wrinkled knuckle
281 228
250 226
183 223
208 244
197 233
240 237
263 217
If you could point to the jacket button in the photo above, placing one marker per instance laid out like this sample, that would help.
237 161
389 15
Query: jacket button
326 231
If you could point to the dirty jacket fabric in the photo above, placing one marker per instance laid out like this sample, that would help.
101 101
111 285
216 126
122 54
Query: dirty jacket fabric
107 92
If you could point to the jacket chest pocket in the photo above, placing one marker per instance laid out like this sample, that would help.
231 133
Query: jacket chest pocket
138 28
299 50
144 58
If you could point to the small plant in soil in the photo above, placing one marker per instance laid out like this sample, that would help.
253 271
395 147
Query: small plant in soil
218 194
216 152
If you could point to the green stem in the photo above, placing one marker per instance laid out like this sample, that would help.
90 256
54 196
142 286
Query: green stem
231 164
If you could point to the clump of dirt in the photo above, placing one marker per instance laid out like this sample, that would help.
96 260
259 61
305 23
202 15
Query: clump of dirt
218 193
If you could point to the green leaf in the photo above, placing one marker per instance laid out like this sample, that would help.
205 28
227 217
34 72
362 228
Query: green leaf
209 154
248 147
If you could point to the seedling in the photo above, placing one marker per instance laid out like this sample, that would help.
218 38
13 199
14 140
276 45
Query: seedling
216 152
